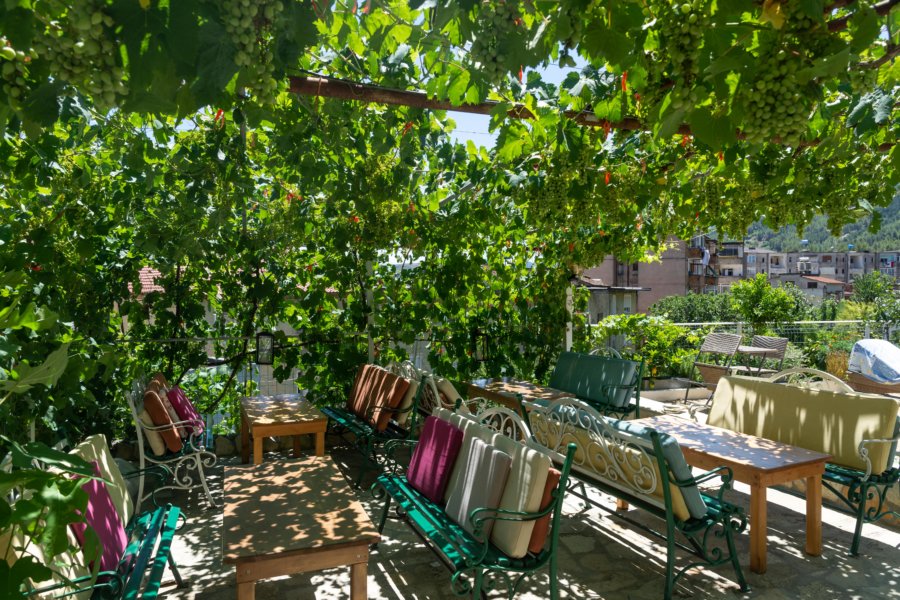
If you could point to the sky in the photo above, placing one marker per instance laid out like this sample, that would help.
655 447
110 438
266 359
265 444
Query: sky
475 127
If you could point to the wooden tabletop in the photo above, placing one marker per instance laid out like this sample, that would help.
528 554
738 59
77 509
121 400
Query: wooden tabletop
507 386
280 409
290 508
755 350
731 448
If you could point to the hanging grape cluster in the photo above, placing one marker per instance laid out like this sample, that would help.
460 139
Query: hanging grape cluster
574 11
679 28
777 102
496 28
14 70
249 23
83 50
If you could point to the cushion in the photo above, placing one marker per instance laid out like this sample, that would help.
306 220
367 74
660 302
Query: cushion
154 406
185 410
95 449
358 398
103 518
433 458
819 420
523 492
160 379
595 379
154 440
471 429
405 409
173 414
482 483
386 393
448 393
542 525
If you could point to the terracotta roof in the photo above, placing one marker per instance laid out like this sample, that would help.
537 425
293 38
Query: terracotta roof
147 277
827 280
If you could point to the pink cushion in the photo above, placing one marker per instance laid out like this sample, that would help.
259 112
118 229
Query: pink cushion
103 518
432 460
185 409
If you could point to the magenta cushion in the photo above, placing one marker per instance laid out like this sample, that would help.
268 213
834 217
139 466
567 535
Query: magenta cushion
432 460
103 518
184 408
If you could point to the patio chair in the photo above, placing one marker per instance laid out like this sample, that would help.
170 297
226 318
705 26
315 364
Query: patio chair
777 345
713 361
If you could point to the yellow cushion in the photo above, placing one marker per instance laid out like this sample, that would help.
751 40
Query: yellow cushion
819 420
624 471
94 448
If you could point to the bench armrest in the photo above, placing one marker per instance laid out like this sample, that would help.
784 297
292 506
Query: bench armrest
392 465
724 473
864 452
112 580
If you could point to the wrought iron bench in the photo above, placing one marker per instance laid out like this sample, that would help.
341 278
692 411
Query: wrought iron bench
860 431
476 556
606 384
149 536
645 468
382 406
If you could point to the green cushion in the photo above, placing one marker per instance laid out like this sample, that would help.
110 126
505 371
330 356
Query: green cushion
598 380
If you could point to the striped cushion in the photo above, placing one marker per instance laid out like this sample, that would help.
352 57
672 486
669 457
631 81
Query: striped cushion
481 485
433 458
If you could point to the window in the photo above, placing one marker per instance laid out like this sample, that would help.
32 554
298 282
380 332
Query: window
634 266
751 260
811 285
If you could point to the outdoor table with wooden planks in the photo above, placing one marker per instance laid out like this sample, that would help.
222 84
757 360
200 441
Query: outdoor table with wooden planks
755 461
291 517
285 414
506 390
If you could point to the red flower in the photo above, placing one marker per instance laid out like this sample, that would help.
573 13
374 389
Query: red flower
606 178
624 81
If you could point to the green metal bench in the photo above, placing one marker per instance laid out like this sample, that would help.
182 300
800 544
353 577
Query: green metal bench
471 557
606 384
140 570
367 438
644 468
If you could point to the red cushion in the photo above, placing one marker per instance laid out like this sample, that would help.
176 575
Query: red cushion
432 460
102 516
154 406
358 400
542 525
185 409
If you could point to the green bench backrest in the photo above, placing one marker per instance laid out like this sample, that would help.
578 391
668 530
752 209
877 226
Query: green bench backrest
820 420
599 380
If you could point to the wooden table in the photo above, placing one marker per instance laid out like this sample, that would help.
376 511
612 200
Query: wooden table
285 414
505 391
292 517
757 351
758 462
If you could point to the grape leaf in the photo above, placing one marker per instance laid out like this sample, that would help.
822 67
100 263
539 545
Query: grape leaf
711 130
46 373
864 27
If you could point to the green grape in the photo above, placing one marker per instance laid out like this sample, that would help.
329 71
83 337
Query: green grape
249 24
14 71
679 28
495 23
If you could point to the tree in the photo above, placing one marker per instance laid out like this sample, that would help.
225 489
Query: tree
695 308
871 287
758 303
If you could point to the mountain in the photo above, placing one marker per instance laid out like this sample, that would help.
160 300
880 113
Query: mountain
819 239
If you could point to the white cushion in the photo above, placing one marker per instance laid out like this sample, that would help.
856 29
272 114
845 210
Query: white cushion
481 484
95 448
407 402
471 429
157 445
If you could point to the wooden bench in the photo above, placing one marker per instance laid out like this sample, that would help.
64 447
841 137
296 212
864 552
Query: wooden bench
482 542
606 384
382 406
645 468
149 535
860 431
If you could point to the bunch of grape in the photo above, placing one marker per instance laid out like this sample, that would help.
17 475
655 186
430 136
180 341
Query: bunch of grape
574 11
862 81
249 24
83 50
496 25
14 70
776 102
679 28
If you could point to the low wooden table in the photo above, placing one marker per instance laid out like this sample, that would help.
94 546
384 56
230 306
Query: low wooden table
285 414
292 517
505 391
758 462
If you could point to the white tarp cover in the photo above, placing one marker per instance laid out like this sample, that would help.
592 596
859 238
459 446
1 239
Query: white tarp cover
878 360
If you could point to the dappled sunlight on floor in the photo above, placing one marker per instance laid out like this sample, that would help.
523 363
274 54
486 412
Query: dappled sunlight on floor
600 557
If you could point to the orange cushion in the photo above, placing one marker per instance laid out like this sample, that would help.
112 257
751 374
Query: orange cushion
154 406
356 401
542 525
388 391
154 386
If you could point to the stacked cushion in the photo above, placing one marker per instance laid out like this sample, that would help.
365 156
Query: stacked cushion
481 485
185 410
433 458
376 394
542 525
154 406
406 405
157 445
154 386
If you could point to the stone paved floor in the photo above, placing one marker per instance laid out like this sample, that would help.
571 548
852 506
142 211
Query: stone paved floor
601 557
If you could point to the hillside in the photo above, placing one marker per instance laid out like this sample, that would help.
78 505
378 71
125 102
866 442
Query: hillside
821 240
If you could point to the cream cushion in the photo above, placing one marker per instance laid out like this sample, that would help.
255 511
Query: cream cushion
471 429
157 445
481 485
407 402
95 448
524 489
446 389
819 420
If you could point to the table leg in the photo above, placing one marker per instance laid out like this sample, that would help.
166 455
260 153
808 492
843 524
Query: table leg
320 443
758 528
358 581
257 449
814 515
245 439
296 439
246 591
